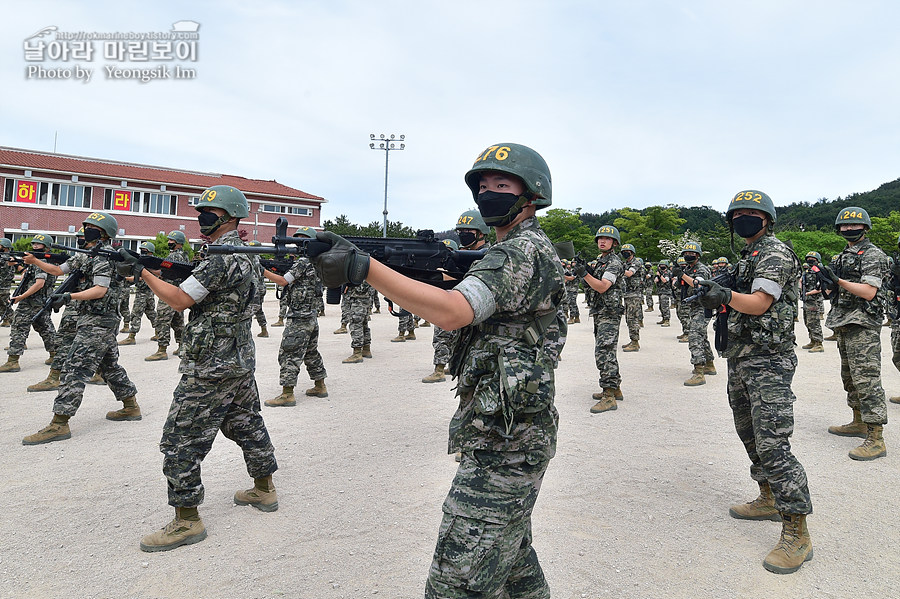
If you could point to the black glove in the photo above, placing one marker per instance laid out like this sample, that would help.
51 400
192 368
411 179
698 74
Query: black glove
676 273
129 266
826 275
58 300
343 263
714 295
579 270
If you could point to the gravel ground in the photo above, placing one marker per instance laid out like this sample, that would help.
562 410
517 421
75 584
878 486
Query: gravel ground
635 504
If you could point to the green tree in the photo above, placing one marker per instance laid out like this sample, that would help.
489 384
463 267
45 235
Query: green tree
884 232
827 243
341 226
565 225
645 229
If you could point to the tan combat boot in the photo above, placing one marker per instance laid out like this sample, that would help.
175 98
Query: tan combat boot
411 336
437 376
697 378
96 380
873 447
129 340
12 364
264 332
399 338
177 350
895 399
58 430
5 323
816 348
425 324
633 346
577 319
808 345
48 384
665 323
683 338
355 358
648 309
159 355
367 351
130 410
761 508
280 323
262 496
286 399
571 320
319 390
342 330
617 393
832 337
857 428
709 368
794 547
49 360
607 401
187 528
125 328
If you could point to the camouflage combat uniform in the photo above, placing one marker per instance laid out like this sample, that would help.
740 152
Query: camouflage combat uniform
345 308
300 339
257 302
167 318
359 299
813 305
27 308
68 323
375 301
607 310
571 304
664 289
761 365
894 315
648 287
857 323
94 347
442 341
506 423
695 315
124 300
217 390
7 276
405 324
633 294
144 303
677 289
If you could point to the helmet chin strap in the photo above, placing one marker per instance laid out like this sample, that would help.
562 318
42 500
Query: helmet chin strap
511 214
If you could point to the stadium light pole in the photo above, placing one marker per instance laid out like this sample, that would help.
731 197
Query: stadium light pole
386 143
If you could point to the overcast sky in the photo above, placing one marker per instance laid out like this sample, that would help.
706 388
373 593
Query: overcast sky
632 103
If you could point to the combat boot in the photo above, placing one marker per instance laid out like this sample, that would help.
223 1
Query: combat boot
367 351
577 319
831 337
130 410
425 324
665 323
697 378
49 360
286 399
571 320
808 345
683 338
12 364
96 380
857 428
617 393
355 358
262 496
661 320
177 350
709 368
399 338
129 340
159 355
794 547
126 328
377 310
5 323
873 447
342 330
761 508
58 430
279 323
816 348
895 399
155 337
648 309
186 529
319 390
633 346
264 332
607 401
437 376
48 384
411 336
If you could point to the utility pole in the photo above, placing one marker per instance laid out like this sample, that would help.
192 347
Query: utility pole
387 144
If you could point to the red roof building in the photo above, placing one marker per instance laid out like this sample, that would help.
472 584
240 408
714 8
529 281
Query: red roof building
53 193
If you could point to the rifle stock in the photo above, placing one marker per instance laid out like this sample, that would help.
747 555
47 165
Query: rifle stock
67 286
171 270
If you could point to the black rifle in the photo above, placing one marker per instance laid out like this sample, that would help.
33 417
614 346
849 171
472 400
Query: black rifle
67 286
724 279
172 271
829 289
279 267
424 258
50 257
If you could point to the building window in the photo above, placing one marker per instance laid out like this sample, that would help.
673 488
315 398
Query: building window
298 210
139 201
46 193
76 196
193 200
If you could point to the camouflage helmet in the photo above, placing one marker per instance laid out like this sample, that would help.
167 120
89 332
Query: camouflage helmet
813 255
149 247
6 243
226 197
721 260
753 200
254 243
80 232
177 236
103 220
472 219
680 261
518 160
692 246
305 232
628 248
852 216
450 243
665 262
608 231
45 240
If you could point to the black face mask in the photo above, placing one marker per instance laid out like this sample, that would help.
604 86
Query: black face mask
466 238
171 246
210 221
91 235
627 255
80 242
853 234
747 225
690 259
811 262
499 209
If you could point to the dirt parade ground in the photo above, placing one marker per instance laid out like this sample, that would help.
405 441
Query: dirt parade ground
634 505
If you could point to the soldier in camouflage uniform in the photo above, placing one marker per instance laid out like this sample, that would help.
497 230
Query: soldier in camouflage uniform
761 365
36 286
633 295
856 275
93 349
144 302
168 319
442 341
506 423
300 339
813 303
697 317
604 278
257 303
359 298
376 302
893 307
345 312
7 276
124 309
677 289
648 286
572 285
663 280
217 390
406 328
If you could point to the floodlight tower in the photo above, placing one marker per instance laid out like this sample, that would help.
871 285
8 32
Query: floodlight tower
386 143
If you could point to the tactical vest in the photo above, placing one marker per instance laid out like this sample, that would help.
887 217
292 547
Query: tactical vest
848 266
